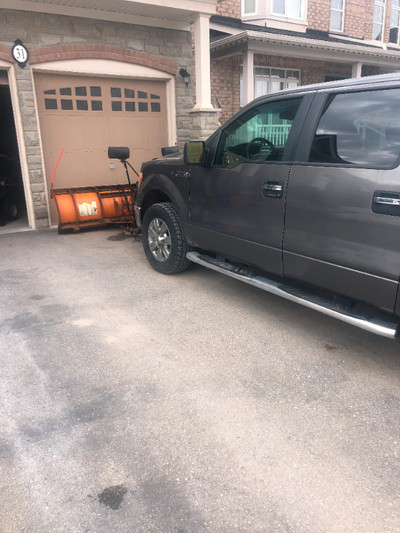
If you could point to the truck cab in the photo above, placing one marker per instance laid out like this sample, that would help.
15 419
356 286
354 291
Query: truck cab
302 188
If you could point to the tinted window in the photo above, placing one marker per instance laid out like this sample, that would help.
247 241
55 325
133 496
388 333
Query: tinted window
360 128
116 106
116 92
95 91
258 136
50 103
80 91
66 105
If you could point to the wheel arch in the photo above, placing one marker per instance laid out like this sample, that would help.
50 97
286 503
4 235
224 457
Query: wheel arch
160 188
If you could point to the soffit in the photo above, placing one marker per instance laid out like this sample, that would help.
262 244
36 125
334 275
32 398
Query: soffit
177 14
303 47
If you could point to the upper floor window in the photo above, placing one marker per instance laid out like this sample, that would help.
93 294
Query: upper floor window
289 8
379 17
336 20
394 22
249 7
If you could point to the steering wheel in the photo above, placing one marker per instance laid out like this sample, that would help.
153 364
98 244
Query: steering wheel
257 141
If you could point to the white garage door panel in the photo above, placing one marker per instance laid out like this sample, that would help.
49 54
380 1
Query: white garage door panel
87 115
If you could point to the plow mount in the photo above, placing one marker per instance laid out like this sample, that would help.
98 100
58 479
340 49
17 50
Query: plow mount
97 206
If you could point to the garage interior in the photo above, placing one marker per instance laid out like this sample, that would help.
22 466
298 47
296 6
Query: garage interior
13 216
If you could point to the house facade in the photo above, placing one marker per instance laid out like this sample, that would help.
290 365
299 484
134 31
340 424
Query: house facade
82 75
262 46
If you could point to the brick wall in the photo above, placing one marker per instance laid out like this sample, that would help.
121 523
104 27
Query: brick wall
50 37
357 21
225 83
318 14
387 20
229 8
358 18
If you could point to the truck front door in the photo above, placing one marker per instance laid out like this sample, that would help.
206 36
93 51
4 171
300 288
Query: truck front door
237 203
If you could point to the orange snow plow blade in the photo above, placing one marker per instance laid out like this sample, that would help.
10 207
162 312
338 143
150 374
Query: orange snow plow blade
96 206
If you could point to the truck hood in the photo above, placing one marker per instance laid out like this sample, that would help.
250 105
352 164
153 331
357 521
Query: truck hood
171 159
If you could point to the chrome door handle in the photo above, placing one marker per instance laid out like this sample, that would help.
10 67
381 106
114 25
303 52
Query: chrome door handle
272 189
382 200
386 203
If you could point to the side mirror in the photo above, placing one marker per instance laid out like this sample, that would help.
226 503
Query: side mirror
167 150
194 153
118 152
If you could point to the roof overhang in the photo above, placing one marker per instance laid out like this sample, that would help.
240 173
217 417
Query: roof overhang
304 48
170 14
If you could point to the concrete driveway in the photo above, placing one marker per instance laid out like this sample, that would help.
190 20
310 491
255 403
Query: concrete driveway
135 402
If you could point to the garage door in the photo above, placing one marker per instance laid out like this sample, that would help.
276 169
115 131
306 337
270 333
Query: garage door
86 115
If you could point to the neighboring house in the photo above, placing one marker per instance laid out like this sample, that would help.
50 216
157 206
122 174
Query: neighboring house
99 73
262 46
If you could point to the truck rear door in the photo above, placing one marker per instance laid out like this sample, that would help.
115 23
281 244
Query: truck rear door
342 227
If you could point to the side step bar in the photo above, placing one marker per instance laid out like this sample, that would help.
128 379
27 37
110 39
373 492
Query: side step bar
294 294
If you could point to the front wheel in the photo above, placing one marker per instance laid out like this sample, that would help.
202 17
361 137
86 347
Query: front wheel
163 241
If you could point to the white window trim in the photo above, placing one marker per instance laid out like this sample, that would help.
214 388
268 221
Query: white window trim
395 8
270 78
244 14
284 16
382 3
342 11
11 80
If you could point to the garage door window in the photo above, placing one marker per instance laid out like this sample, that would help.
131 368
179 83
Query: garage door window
123 99
85 98
59 100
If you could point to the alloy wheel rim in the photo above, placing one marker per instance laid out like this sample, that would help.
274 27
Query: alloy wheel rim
159 239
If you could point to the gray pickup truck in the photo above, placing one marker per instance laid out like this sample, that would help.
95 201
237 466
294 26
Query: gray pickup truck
298 194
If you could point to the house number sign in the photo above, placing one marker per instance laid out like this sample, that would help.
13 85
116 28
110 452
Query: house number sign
20 53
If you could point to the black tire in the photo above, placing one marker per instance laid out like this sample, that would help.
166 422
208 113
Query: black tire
163 241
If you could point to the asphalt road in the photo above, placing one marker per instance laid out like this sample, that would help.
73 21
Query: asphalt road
136 402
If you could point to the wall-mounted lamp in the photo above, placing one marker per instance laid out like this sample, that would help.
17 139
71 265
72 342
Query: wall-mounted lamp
185 75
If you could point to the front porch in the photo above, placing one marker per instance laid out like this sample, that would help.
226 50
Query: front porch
252 63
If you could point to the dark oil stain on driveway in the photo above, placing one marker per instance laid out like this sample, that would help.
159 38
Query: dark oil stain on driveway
331 347
119 237
113 496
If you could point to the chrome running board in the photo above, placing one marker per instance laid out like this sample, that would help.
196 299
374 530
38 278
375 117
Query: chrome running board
294 294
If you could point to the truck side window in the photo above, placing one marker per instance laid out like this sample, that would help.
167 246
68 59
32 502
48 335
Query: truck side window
258 136
359 128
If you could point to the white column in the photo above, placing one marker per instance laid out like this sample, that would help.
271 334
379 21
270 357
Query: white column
248 76
201 29
356 70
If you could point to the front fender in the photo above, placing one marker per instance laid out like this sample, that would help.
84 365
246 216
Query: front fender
158 187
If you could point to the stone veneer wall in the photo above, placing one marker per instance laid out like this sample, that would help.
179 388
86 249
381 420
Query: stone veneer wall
164 49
